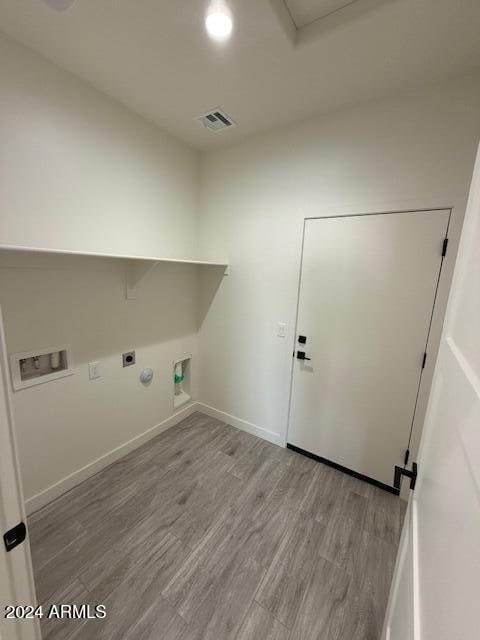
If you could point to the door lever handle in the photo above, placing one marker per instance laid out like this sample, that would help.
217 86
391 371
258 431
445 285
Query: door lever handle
301 356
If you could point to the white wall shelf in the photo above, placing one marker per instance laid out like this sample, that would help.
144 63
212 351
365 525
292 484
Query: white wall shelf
137 266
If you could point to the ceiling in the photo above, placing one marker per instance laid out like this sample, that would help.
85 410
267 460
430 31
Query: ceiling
304 12
154 55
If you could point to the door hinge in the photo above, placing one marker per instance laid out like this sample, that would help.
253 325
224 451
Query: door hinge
406 457
444 248
14 537
424 360
400 471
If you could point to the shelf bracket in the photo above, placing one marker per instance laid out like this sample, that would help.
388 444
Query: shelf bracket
134 273
136 270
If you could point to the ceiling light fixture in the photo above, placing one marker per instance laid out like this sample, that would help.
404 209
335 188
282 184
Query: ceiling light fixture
219 21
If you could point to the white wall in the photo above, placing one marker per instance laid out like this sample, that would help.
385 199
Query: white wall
66 425
80 172
414 151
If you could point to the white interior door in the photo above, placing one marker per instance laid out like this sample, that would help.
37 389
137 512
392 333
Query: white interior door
16 576
367 291
435 592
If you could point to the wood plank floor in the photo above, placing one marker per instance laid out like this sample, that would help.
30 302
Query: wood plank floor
207 532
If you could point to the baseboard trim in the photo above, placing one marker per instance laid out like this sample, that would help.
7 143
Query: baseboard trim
339 467
238 423
55 490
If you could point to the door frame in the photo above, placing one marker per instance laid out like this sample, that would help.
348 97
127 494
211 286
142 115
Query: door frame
16 573
447 346
434 333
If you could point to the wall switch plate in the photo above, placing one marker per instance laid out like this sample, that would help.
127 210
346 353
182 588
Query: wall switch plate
128 358
93 370
282 329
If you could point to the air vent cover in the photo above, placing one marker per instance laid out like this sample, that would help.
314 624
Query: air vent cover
216 120
60 5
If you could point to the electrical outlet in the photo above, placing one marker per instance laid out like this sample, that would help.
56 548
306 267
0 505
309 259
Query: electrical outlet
128 358
94 370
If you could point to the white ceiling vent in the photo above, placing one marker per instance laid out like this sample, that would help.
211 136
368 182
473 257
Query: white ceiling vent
60 5
216 120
